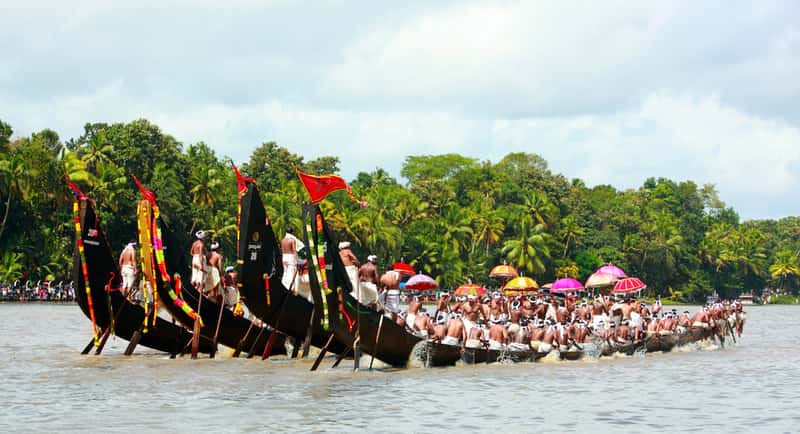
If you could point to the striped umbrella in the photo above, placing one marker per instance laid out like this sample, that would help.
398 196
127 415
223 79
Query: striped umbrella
421 282
565 285
470 289
627 285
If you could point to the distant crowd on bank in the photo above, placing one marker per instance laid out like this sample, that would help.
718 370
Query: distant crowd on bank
58 291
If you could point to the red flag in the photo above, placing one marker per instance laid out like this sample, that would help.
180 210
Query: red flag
148 195
241 181
320 186
74 188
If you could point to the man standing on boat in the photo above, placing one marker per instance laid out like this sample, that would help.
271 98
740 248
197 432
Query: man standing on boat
390 282
127 266
213 271
368 281
197 252
289 248
351 265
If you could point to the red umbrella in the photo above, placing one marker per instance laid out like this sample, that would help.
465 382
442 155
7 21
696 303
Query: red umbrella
470 289
421 282
629 284
403 268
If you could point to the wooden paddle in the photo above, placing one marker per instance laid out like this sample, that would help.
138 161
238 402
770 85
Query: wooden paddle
375 346
321 354
196 329
274 335
238 350
216 332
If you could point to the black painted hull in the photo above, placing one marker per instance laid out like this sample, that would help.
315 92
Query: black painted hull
128 317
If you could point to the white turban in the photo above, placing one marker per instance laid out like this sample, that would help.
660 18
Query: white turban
344 245
200 235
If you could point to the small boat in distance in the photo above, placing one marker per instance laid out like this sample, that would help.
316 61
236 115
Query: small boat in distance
746 297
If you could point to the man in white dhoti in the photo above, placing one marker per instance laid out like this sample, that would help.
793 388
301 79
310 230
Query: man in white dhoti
290 245
127 265
368 281
197 252
351 264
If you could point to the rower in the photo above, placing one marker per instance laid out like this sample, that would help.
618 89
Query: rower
390 281
546 344
230 293
439 329
422 324
474 335
197 251
368 281
289 248
127 265
414 307
351 264
456 333
498 335
443 305
213 271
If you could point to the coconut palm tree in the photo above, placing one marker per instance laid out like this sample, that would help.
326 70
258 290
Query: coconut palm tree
784 266
529 249
570 231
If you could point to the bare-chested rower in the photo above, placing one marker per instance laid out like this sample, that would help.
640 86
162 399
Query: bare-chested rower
498 336
422 325
127 266
289 259
351 264
368 281
470 312
413 310
456 333
197 251
214 270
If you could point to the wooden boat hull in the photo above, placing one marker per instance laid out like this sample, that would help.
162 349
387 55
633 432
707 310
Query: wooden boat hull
128 317
660 343
434 354
486 355
234 331
260 256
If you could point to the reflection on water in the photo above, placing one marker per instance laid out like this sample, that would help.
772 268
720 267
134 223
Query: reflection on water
48 386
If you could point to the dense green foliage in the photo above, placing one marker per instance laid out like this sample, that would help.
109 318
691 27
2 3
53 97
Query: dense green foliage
454 219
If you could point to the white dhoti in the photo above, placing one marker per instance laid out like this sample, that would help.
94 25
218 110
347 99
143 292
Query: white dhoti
211 280
494 345
289 278
128 276
636 319
468 325
230 296
393 300
544 348
451 340
352 274
198 264
473 343
304 287
368 293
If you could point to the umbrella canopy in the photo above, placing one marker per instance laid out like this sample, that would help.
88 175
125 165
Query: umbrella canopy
421 282
612 270
629 284
598 280
562 286
503 271
520 284
403 268
470 289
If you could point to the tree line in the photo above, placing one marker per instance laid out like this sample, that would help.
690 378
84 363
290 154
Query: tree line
451 216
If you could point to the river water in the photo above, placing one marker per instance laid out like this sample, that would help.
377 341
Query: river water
47 386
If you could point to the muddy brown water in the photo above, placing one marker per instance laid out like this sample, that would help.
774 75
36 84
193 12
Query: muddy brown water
47 386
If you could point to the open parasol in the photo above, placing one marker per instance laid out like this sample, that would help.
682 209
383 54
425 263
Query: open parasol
519 285
421 282
565 285
612 270
470 289
628 285
503 271
403 268
600 280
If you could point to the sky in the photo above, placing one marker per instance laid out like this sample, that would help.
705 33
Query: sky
609 92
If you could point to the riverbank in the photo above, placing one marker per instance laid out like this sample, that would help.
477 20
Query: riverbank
784 299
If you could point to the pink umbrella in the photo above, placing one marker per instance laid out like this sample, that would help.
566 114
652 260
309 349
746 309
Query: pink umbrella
612 270
421 282
565 285
629 284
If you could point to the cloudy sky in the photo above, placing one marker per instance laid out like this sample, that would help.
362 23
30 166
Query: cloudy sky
610 92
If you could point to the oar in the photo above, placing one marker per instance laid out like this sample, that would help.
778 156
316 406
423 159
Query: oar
238 350
216 332
274 335
137 335
377 337
309 331
251 352
321 354
196 329
731 330
341 357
